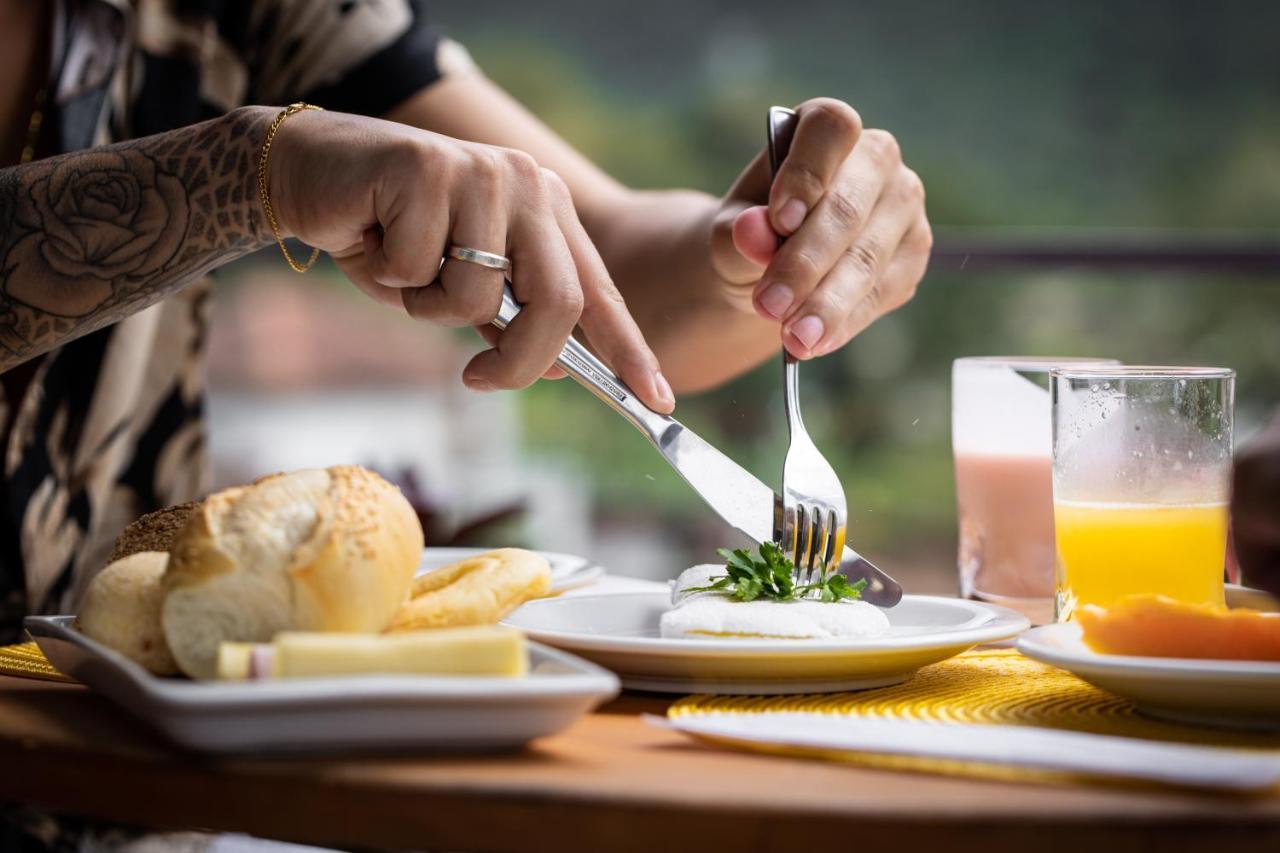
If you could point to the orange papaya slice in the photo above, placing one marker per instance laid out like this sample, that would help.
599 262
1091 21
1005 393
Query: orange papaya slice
1157 626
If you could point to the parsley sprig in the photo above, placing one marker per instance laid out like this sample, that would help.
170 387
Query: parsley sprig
768 575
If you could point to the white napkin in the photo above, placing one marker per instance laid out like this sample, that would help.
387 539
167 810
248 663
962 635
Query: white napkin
1016 746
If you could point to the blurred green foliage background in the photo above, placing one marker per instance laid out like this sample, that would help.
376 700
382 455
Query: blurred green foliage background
1123 114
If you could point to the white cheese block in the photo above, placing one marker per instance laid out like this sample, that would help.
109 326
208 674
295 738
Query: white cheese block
482 650
233 660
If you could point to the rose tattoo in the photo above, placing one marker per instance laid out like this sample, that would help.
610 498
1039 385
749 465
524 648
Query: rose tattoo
91 237
96 220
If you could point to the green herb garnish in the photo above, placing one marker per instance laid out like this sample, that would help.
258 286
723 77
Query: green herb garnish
769 576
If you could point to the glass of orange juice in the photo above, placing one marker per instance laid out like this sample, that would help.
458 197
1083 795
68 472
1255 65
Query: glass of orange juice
1141 482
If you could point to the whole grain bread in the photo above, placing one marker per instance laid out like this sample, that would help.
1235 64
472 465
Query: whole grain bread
154 531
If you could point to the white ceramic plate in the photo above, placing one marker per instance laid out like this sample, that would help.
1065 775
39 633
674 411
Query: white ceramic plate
620 632
568 571
1238 694
375 712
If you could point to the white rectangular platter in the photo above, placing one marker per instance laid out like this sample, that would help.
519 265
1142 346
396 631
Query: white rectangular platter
367 713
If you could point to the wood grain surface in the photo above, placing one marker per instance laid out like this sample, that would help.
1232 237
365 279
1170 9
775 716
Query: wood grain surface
611 782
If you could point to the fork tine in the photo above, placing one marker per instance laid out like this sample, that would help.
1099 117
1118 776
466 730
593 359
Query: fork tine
810 521
790 533
829 545
816 542
803 534
822 542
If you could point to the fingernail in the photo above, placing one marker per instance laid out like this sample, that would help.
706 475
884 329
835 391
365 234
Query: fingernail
662 389
483 385
792 215
776 299
808 330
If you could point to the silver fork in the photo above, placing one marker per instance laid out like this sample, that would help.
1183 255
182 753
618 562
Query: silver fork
811 513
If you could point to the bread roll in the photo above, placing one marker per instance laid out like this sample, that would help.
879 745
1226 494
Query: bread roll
154 531
316 550
121 610
479 590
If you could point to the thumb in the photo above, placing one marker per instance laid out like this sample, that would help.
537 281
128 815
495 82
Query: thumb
754 237
742 242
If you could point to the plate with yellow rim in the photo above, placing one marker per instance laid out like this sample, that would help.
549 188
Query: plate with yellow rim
620 633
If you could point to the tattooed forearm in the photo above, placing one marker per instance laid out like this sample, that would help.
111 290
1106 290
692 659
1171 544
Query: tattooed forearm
89 238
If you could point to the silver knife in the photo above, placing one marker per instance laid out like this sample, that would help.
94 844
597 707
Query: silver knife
737 496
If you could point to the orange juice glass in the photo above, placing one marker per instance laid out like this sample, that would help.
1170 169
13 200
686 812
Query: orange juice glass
1141 478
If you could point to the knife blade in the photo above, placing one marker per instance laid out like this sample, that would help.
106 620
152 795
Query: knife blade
732 492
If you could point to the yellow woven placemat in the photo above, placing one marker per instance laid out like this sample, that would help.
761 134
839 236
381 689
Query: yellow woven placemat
26 661
985 687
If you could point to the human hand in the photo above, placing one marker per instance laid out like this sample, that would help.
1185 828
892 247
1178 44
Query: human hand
386 201
853 215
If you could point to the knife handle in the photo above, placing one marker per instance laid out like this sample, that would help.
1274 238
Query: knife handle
592 373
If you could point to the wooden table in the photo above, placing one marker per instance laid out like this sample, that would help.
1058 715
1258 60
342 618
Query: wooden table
611 782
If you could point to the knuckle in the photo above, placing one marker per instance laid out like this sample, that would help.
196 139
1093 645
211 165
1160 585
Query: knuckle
802 265
487 166
570 301
846 210
883 145
831 303
486 179
420 304
873 300
522 165
472 314
415 157
396 268
609 297
912 185
864 256
554 183
924 238
804 181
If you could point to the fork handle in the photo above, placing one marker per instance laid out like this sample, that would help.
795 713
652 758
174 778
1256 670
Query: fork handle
781 131
592 373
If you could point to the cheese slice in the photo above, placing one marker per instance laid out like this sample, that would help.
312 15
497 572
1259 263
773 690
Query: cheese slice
482 650
233 661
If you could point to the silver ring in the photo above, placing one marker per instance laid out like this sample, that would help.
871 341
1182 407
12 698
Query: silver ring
475 256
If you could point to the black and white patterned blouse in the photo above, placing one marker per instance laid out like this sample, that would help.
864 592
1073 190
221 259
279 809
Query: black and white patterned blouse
110 426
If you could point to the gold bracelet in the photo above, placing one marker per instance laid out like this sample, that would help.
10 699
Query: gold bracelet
262 184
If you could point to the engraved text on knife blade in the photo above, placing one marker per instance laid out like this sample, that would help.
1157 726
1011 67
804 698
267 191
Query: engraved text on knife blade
599 378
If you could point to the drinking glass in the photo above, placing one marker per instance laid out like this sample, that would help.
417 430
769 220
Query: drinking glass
1001 435
1141 483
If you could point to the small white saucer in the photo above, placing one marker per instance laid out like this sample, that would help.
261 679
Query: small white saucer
1233 694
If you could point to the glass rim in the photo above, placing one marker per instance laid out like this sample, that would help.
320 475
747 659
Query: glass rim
1041 363
1141 371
